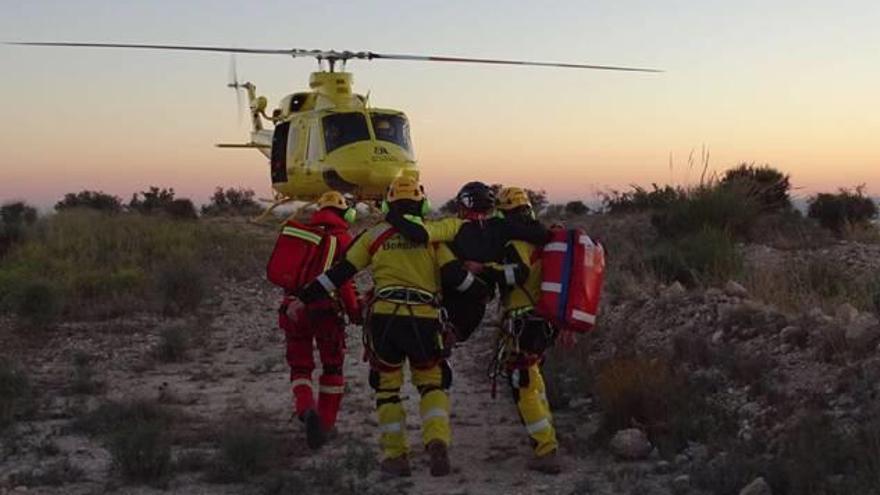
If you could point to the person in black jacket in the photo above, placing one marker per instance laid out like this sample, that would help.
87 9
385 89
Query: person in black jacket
480 239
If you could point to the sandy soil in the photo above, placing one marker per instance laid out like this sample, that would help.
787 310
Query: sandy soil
238 368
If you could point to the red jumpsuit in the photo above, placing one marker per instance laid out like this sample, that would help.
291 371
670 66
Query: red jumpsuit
323 324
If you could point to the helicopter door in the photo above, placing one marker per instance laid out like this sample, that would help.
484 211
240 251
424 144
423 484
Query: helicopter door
278 161
315 152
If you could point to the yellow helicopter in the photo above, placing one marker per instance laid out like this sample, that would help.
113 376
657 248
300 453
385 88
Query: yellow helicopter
329 138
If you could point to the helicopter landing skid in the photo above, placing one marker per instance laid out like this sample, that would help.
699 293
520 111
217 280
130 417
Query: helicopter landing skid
267 213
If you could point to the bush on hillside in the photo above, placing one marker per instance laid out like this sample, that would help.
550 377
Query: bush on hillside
102 264
768 186
640 199
729 209
232 201
847 208
96 200
37 303
14 219
162 201
15 392
576 208
706 256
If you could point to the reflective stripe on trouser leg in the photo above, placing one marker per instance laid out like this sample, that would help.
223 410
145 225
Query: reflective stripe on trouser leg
330 390
392 417
303 395
535 412
434 404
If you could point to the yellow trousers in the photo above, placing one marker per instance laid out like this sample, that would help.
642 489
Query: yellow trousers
433 407
531 400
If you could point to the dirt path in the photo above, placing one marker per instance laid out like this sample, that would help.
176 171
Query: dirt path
239 369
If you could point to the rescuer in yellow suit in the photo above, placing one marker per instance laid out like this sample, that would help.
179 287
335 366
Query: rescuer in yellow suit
524 335
403 324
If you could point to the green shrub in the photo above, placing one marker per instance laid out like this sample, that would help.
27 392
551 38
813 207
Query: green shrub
174 342
639 199
55 474
111 417
95 200
84 381
14 219
576 208
245 450
181 286
15 393
728 209
847 208
768 186
232 201
702 257
141 452
37 303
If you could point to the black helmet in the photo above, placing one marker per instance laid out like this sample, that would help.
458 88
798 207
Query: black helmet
476 196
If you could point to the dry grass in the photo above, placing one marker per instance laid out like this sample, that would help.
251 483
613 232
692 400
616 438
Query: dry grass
104 265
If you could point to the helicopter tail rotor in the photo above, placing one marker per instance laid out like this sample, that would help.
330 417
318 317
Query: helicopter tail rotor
237 86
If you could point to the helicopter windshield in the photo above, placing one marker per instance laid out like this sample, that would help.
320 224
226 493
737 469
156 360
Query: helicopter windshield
392 128
344 128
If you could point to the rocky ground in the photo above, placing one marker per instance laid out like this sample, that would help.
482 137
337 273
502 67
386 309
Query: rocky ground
731 369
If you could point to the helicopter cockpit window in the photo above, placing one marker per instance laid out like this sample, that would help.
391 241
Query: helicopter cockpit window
344 128
391 128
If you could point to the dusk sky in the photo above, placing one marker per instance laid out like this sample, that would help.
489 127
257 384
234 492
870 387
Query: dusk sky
789 83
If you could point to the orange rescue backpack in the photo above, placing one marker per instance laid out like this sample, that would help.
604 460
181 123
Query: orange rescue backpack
573 269
301 253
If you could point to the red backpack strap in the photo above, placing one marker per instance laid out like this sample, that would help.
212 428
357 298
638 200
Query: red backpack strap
382 233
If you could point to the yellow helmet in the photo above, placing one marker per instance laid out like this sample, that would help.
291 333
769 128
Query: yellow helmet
511 198
332 199
405 187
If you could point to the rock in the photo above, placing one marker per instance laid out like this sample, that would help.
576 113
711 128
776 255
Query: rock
793 335
735 289
757 487
675 289
579 403
714 293
750 409
681 460
697 452
631 444
663 467
681 484
862 331
718 337
846 313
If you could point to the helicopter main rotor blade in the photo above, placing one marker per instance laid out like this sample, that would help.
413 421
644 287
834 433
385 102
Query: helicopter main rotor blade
429 58
345 55
164 47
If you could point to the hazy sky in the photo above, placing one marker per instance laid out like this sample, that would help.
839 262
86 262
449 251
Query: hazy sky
790 83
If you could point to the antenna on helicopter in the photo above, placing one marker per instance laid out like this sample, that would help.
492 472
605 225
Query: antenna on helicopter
332 56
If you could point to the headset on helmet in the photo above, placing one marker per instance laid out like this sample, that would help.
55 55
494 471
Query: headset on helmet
335 199
476 196
406 188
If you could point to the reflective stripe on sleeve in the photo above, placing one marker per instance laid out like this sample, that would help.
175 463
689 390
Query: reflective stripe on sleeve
466 283
583 316
326 283
586 241
538 426
551 287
